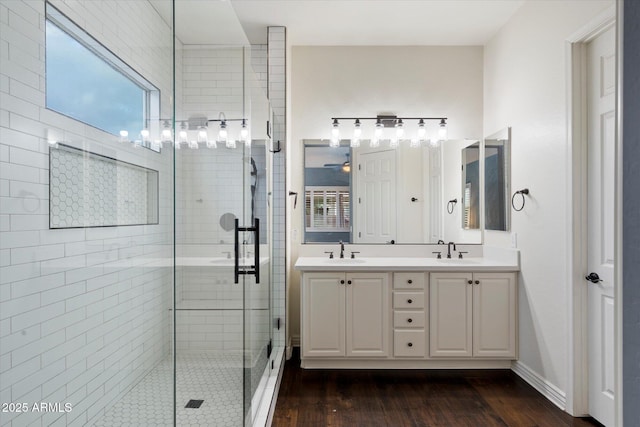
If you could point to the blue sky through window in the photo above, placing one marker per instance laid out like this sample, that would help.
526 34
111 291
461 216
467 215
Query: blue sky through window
82 85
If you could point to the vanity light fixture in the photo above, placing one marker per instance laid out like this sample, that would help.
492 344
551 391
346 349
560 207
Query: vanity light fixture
166 135
402 131
124 136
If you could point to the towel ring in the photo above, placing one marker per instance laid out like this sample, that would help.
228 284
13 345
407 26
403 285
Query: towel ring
451 205
522 194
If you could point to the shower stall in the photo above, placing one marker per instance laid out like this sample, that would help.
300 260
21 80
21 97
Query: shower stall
137 283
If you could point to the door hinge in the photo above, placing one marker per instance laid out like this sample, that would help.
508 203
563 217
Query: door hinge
359 167
278 323
359 200
269 349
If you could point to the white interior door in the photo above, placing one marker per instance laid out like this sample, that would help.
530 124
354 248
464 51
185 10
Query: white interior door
376 197
601 208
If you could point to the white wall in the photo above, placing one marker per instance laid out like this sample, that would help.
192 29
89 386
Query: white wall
83 312
365 81
525 81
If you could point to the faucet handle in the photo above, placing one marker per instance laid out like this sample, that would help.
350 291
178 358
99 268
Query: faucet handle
353 254
330 254
439 256
460 254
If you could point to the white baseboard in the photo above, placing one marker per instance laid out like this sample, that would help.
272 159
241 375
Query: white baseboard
547 389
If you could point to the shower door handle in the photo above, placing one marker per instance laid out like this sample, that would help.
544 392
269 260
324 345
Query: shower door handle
255 268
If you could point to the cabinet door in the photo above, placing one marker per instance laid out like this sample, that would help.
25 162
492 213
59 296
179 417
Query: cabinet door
323 314
494 315
450 325
368 308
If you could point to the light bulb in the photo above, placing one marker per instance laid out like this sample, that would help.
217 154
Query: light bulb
422 132
355 142
442 130
166 135
399 129
433 143
244 132
334 143
335 130
202 136
357 131
379 130
144 133
193 145
212 143
124 136
183 137
222 133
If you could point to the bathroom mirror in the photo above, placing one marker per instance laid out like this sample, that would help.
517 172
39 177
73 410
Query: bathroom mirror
382 195
497 180
470 193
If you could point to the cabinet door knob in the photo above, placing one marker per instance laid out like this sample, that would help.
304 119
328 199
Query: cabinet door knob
477 282
342 282
409 320
348 282
470 282
409 301
409 281
410 344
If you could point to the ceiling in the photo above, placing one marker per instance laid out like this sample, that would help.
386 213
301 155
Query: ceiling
339 22
376 22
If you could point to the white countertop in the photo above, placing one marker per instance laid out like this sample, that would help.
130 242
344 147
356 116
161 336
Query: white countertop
405 264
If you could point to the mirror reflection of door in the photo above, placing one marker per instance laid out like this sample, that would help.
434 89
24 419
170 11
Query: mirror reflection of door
376 221
471 187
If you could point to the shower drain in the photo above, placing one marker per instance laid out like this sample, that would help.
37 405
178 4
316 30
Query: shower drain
194 403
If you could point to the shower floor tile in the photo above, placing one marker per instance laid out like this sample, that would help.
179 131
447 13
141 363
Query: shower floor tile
214 378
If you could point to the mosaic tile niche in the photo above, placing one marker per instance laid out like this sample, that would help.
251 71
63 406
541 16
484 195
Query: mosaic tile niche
90 190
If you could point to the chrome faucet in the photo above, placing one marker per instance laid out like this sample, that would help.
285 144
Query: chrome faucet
449 249
341 249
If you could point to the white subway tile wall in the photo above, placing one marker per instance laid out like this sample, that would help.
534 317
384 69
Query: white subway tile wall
84 313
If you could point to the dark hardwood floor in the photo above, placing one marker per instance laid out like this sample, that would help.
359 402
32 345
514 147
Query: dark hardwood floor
398 398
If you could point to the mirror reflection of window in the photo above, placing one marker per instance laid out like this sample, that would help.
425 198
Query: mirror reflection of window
327 177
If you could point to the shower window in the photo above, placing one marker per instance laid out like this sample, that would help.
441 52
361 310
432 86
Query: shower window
87 82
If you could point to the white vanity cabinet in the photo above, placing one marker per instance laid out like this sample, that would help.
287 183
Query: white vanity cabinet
472 315
345 314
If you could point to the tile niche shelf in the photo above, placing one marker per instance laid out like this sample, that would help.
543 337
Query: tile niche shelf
90 190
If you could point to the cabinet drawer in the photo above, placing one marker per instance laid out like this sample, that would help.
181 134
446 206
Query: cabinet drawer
408 300
409 343
408 280
408 319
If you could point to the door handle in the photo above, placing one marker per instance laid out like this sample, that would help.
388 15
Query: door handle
593 278
255 268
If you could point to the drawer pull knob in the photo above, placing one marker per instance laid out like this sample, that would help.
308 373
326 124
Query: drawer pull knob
342 282
409 301
348 282
477 282
409 281
410 344
409 320
470 282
